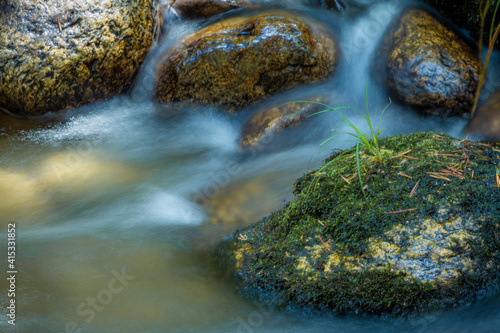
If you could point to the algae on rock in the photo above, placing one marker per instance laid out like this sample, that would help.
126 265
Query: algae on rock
424 236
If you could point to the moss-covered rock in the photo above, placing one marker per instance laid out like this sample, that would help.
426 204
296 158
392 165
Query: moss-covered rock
59 55
486 120
236 61
267 122
428 65
421 232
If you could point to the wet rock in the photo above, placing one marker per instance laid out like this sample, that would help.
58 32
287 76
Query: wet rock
60 55
486 120
267 122
237 61
419 234
196 9
428 65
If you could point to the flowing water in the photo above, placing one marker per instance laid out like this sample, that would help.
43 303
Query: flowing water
117 205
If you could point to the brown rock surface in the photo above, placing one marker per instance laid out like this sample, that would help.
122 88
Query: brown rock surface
428 65
57 55
241 60
267 122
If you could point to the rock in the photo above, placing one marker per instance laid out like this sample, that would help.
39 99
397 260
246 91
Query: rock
56 56
241 60
486 120
428 65
267 122
203 9
419 234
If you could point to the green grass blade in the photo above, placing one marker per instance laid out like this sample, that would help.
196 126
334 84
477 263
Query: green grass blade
359 168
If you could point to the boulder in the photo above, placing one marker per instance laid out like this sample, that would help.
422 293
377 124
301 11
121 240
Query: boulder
486 120
419 232
267 122
237 61
428 65
60 55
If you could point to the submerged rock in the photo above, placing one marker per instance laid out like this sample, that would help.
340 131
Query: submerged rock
242 201
486 120
267 122
420 232
58 56
68 175
241 60
428 65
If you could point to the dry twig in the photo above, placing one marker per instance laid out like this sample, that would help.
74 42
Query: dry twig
326 246
401 211
414 188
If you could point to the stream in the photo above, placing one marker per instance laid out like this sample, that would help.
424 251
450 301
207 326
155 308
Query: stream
117 205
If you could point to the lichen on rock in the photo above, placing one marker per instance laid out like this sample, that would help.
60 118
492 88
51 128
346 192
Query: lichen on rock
240 60
420 234
57 55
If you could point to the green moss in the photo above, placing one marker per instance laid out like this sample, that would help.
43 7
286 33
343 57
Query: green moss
313 252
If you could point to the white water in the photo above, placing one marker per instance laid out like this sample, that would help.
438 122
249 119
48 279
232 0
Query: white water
116 186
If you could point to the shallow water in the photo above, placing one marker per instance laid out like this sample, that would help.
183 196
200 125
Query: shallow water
122 189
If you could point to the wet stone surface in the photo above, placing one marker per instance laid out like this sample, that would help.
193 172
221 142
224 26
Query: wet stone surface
57 55
238 61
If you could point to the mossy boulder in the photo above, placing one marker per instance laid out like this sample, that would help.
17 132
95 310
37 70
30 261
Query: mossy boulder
237 61
56 56
265 123
486 120
420 233
428 65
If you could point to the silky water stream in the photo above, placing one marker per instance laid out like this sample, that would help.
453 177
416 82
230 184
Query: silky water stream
111 235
